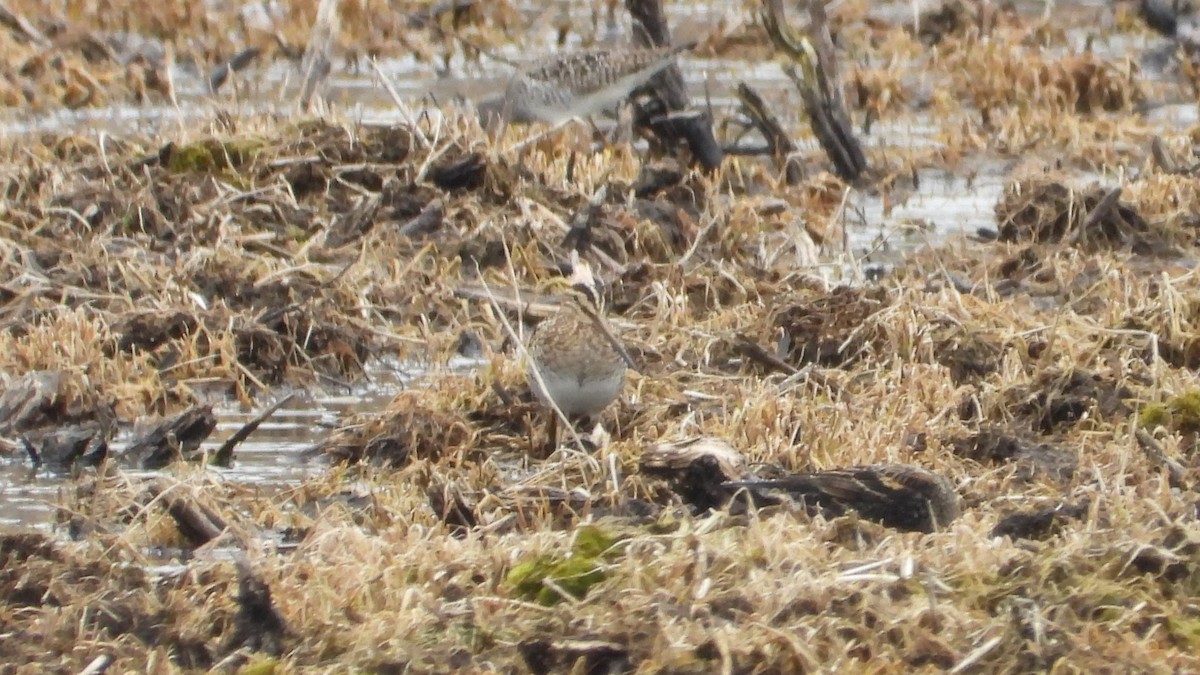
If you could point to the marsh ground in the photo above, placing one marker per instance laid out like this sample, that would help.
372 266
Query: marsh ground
164 248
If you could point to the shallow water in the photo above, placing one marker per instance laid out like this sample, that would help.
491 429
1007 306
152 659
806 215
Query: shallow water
271 457
942 208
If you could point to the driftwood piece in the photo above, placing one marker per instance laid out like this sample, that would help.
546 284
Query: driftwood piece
196 522
60 448
819 84
223 457
674 123
172 439
26 402
779 144
219 75
697 469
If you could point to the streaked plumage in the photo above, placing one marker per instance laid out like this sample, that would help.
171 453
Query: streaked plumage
897 495
580 363
582 371
577 84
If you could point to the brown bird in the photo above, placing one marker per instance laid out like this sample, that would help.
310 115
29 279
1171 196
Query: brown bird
576 84
897 495
576 363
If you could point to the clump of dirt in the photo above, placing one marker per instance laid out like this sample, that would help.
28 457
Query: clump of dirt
1057 399
414 427
970 355
1039 523
1031 458
122 603
46 398
831 329
1045 208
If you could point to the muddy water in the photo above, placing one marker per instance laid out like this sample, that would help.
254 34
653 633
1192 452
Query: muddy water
940 209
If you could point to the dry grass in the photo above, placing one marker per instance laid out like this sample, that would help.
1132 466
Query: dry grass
273 255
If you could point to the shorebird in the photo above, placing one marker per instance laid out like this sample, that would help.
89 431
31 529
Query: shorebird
898 495
575 363
577 84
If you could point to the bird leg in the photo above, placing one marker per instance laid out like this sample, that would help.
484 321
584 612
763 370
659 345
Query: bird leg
577 422
551 443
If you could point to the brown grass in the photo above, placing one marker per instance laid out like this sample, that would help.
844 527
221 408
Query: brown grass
152 271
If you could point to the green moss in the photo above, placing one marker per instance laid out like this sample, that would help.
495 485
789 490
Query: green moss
1185 409
1179 413
1153 415
574 574
1184 631
259 666
593 542
212 155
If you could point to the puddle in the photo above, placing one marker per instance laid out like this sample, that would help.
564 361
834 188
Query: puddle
270 457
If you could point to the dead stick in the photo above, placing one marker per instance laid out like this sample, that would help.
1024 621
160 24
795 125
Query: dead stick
648 14
755 352
1104 207
196 522
224 455
1155 452
819 85
780 145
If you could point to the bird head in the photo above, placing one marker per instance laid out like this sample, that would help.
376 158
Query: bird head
583 282
579 289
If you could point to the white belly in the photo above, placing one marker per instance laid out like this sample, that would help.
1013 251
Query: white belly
575 397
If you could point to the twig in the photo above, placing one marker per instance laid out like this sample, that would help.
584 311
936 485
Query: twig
819 85
224 454
755 352
196 522
1155 452
779 145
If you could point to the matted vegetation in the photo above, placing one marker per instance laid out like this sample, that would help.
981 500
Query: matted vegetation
1047 371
